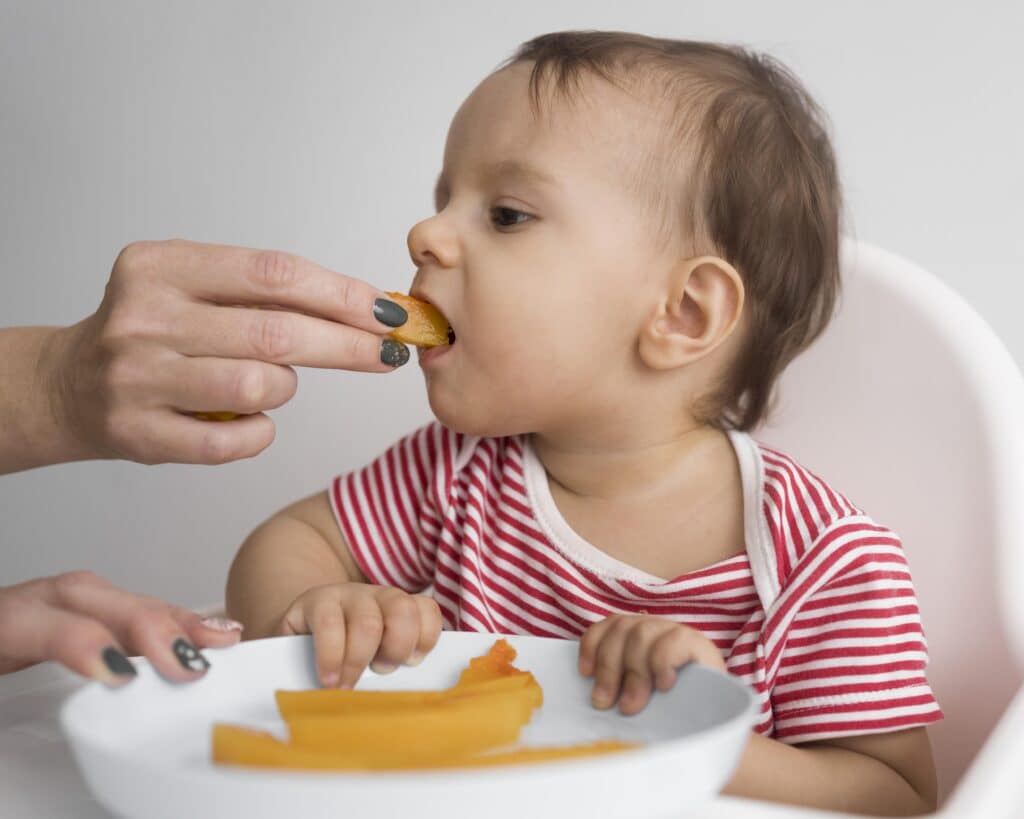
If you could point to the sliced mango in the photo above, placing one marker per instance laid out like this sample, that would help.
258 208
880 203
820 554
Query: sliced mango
496 663
216 415
335 701
235 745
426 326
460 725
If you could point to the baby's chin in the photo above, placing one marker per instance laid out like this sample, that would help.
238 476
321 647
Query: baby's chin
469 417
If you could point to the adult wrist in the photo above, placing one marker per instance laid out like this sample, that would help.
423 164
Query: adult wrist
60 383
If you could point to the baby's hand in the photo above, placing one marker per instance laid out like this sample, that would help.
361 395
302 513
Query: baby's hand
633 654
357 624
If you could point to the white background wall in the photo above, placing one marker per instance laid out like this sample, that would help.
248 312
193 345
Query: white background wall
318 128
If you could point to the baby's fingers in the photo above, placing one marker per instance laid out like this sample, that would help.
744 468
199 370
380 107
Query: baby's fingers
676 648
430 628
326 621
364 626
412 627
608 665
638 664
401 629
590 642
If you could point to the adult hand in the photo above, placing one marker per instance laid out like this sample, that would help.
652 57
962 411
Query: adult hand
90 625
172 337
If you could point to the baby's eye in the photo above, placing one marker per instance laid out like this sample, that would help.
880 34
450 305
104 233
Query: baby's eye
508 217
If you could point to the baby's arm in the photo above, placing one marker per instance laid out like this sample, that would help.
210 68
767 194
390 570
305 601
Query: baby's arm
295 574
631 656
297 549
890 774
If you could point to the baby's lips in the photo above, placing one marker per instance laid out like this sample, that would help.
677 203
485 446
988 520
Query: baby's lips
426 326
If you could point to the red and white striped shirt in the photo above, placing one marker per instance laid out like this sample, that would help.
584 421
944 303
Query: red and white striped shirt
818 616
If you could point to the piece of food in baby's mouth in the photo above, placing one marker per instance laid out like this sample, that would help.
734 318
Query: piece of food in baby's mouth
426 326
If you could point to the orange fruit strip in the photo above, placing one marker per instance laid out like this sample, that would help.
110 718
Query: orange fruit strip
497 662
463 725
216 415
235 745
334 701
336 730
426 326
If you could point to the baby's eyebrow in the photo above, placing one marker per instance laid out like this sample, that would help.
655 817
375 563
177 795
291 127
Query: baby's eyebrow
519 171
504 170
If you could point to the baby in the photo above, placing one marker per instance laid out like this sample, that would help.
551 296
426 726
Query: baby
633 237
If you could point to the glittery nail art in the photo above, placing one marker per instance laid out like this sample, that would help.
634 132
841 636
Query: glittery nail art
188 655
221 624
393 353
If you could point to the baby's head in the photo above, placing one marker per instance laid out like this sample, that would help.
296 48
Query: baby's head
629 232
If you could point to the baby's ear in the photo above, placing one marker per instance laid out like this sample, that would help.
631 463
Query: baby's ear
699 310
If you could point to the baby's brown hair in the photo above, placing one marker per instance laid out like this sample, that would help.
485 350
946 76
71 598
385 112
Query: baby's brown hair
762 187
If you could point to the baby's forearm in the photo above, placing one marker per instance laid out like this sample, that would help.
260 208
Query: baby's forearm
283 558
823 777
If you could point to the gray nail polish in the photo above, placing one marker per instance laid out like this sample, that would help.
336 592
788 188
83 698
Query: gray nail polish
118 663
188 655
393 353
389 313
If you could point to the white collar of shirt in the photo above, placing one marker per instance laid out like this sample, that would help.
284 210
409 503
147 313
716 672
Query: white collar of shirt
760 548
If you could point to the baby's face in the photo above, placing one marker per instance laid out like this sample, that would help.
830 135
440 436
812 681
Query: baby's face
542 257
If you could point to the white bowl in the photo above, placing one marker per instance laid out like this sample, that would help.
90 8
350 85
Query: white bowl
144 749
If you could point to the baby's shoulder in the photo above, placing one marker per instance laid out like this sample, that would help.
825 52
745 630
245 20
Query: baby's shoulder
813 526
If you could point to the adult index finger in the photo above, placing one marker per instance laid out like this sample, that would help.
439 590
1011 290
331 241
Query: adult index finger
224 274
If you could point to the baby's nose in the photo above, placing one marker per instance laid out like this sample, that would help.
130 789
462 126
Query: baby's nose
434 242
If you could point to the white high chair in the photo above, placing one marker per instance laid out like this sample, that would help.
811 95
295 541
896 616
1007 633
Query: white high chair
911 407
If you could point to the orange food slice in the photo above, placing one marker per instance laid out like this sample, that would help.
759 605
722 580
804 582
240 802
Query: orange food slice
496 663
338 702
216 415
460 725
235 745
426 326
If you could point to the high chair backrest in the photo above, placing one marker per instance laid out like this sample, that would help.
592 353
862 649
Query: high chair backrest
912 408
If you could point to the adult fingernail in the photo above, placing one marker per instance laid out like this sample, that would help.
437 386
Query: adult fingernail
188 655
389 313
330 679
601 697
383 668
393 353
415 658
221 624
118 663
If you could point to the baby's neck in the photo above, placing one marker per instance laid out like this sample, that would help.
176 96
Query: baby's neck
666 504
623 465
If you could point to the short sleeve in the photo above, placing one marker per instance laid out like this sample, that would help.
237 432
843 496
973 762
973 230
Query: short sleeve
391 512
852 652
